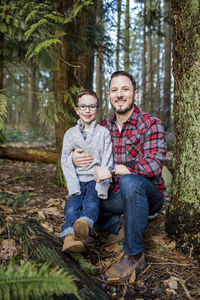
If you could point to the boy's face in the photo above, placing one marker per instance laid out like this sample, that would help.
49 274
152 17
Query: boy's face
88 115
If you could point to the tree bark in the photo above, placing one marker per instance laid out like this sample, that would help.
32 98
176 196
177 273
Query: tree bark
149 103
183 218
166 111
43 248
74 60
127 38
28 154
144 68
157 103
119 12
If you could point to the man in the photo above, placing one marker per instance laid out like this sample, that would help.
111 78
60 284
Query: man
137 188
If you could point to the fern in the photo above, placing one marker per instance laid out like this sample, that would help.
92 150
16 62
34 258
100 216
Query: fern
49 109
3 110
33 28
30 282
43 45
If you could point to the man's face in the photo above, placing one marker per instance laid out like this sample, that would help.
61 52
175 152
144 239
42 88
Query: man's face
121 94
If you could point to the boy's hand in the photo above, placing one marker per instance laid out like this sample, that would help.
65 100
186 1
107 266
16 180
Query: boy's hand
101 173
81 159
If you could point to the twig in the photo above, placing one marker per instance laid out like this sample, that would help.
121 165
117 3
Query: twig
13 179
176 264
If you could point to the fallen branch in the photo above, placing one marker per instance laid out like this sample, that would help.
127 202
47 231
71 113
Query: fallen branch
28 154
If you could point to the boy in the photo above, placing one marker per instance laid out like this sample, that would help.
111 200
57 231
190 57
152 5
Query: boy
82 208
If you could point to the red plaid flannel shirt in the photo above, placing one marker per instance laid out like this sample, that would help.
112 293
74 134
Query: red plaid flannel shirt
140 146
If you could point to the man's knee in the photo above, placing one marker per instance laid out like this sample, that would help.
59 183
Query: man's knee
130 181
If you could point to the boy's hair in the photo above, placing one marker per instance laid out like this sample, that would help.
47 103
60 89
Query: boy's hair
87 92
123 73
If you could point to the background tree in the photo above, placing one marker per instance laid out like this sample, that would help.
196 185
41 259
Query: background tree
119 12
75 62
183 218
127 37
166 115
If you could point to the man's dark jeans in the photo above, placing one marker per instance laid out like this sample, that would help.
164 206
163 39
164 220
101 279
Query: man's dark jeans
137 199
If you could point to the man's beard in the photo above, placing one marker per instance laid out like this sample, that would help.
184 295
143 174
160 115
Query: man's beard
121 111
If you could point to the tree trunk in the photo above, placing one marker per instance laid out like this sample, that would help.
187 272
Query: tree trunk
119 11
100 60
74 68
28 154
127 38
166 111
144 69
149 60
43 248
157 103
1 60
183 217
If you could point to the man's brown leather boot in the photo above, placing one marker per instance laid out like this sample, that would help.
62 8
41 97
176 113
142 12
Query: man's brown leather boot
124 268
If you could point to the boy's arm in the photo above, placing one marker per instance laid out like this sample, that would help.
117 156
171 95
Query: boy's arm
68 168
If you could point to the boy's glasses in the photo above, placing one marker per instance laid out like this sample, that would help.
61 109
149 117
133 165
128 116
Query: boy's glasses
83 107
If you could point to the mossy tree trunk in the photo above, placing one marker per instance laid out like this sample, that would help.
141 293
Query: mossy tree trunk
74 60
183 218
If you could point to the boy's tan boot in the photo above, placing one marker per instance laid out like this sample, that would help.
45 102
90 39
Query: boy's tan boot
81 229
72 245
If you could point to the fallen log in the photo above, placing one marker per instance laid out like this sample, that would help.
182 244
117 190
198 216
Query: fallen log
28 154
43 248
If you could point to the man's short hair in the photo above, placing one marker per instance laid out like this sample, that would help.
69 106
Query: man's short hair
87 92
123 73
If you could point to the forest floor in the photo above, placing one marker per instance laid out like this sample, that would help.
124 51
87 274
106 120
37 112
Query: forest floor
26 191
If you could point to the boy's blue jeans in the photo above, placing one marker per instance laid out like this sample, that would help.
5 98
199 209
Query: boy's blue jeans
137 199
84 206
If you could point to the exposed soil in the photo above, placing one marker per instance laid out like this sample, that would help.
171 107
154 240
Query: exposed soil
26 191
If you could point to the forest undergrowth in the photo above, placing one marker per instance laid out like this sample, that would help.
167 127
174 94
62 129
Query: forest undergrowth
26 191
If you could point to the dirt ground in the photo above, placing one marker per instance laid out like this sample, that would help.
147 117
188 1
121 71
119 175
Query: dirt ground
26 191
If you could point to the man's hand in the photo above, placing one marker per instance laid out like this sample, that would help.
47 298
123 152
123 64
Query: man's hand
81 159
101 173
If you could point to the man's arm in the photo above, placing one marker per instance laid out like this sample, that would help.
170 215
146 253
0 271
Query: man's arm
81 159
102 173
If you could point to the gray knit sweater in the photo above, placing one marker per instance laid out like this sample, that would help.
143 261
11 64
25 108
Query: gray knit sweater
98 144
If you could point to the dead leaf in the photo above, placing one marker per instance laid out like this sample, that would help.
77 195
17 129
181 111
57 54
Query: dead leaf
133 277
113 248
51 211
47 227
172 245
158 240
41 215
6 209
171 283
8 249
113 281
169 292
54 202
